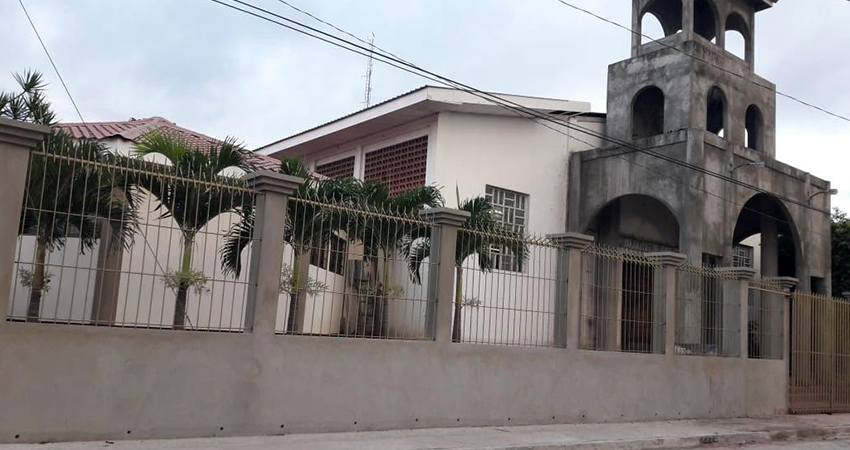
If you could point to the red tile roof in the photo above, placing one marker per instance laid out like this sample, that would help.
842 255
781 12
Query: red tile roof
135 129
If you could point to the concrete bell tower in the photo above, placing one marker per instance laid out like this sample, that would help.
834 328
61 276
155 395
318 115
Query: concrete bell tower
688 80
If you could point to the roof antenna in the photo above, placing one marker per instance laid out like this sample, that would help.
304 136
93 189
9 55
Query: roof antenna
367 97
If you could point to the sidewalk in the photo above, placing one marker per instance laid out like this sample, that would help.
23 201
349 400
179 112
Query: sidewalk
630 436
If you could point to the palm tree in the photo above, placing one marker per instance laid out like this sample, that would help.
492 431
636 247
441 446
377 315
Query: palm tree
71 189
192 193
308 225
480 235
383 236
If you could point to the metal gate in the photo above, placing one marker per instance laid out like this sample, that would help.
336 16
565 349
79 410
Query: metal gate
820 355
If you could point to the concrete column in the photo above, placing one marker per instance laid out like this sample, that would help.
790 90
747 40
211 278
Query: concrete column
736 310
637 27
782 317
566 242
664 311
573 244
441 282
16 141
769 247
107 281
270 208
688 20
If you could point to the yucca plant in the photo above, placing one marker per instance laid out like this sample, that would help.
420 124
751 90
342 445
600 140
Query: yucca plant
192 192
480 235
73 189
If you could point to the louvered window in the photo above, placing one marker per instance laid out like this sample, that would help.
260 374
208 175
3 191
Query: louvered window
512 210
341 168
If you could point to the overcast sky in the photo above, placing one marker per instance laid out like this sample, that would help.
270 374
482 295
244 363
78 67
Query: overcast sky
219 72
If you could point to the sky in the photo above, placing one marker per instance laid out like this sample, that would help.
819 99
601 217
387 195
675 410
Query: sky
219 72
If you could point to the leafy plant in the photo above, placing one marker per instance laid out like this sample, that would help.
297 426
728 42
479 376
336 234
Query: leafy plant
27 278
840 253
290 284
191 279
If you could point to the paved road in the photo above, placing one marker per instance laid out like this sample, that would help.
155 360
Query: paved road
814 445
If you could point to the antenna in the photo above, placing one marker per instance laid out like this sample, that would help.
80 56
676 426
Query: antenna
367 97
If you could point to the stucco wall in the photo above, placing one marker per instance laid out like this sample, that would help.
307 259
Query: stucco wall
80 383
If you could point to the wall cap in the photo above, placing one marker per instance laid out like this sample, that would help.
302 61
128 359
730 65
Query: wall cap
572 240
668 259
741 273
266 181
445 216
786 283
22 134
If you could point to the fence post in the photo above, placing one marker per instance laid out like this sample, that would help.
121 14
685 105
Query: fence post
739 289
783 316
574 244
667 280
566 242
272 192
439 310
16 140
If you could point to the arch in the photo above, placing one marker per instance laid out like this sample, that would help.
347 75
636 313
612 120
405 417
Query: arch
648 112
764 213
715 112
637 221
705 19
668 13
754 128
737 36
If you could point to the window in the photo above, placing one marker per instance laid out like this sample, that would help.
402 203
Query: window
661 18
512 211
648 113
742 256
715 112
401 166
330 255
341 168
753 134
736 36
705 22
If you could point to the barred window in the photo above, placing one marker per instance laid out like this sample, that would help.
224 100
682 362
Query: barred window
742 256
341 168
331 255
401 166
512 210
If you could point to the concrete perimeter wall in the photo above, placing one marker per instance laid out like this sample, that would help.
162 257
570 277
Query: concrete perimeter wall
64 383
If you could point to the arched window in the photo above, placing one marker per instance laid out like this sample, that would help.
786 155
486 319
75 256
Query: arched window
754 128
705 20
736 36
716 112
648 113
661 18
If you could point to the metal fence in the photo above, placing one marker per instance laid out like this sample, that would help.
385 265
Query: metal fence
820 354
506 287
355 271
766 325
114 241
708 318
622 301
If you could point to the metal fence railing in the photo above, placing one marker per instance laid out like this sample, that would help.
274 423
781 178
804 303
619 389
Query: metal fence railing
114 241
355 271
820 354
708 320
622 302
766 325
506 286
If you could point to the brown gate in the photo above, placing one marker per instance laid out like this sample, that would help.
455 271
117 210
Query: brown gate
820 355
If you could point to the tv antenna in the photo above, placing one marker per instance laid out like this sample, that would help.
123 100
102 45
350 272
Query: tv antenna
367 96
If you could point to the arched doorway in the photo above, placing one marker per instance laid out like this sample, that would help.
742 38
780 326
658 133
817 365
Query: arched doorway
637 223
766 239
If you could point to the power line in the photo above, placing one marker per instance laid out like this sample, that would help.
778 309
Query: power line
730 72
55 69
516 108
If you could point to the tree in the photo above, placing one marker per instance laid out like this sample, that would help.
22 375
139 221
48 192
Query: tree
840 253
72 190
192 193
480 235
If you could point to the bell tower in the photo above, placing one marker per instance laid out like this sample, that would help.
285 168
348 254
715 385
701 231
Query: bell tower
688 80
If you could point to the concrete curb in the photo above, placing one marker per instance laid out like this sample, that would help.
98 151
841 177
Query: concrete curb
684 442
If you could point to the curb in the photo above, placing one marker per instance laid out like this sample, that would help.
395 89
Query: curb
685 442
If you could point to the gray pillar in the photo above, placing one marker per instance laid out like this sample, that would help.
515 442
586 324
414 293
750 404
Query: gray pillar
108 278
569 244
664 310
782 317
270 207
16 141
441 281
736 310
574 244
769 248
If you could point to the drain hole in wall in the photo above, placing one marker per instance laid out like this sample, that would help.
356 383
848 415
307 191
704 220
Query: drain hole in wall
128 431
220 428
281 425
417 419
355 422
458 420
17 436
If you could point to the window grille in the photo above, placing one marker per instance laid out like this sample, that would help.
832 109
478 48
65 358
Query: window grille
512 210
742 256
341 168
401 166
